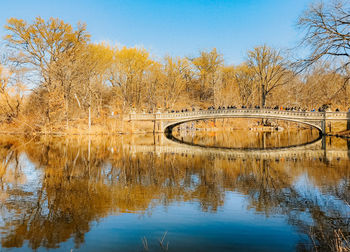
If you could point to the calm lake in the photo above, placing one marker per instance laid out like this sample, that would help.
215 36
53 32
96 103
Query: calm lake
236 191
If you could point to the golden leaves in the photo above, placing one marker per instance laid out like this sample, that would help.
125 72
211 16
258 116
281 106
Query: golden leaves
44 41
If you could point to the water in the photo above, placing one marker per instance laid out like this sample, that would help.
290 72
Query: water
145 193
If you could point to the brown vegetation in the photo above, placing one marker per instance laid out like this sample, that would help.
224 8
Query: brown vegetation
54 79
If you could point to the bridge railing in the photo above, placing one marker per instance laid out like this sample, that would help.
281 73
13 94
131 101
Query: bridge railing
253 112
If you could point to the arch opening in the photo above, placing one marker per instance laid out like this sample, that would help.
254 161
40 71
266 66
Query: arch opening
168 130
169 127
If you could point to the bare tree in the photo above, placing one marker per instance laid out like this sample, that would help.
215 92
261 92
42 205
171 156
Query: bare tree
40 45
327 33
245 79
207 66
270 68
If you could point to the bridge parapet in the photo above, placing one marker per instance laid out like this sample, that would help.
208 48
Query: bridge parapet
235 112
166 121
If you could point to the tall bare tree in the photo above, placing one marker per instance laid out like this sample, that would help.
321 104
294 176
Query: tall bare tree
207 65
327 33
245 79
127 75
39 45
270 68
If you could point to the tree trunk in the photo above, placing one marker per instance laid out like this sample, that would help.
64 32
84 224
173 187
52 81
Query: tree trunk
89 118
263 96
66 110
90 113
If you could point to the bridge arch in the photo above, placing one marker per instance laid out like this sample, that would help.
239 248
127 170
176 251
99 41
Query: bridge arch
165 122
168 127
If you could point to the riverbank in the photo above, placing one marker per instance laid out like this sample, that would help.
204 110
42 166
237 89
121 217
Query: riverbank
116 126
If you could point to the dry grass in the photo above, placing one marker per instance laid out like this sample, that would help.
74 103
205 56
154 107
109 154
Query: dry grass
341 243
103 126
164 247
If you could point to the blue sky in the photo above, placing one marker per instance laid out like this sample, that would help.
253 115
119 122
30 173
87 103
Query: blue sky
176 28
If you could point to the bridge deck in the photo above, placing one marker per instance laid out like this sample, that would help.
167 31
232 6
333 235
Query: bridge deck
243 112
168 120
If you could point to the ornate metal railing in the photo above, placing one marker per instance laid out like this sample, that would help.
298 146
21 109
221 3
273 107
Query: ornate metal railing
307 115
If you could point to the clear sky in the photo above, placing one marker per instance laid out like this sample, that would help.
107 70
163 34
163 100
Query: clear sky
176 28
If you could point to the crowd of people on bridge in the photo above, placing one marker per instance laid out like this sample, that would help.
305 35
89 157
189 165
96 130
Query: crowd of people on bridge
284 108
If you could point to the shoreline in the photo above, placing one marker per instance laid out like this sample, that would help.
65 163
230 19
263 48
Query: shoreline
17 133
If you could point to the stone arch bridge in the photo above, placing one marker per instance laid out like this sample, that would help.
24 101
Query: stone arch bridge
165 122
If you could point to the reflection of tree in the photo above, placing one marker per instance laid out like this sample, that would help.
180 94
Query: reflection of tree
64 203
265 185
247 138
79 185
82 181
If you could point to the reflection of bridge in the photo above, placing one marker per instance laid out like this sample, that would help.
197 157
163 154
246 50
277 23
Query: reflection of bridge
167 121
307 151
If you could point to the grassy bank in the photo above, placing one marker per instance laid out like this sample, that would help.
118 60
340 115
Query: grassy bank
112 126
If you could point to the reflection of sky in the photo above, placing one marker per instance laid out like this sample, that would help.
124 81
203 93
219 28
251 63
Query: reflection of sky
320 196
30 179
231 228
33 174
